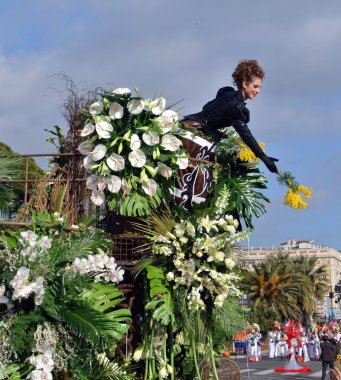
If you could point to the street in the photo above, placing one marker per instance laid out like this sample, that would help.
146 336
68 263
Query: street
264 370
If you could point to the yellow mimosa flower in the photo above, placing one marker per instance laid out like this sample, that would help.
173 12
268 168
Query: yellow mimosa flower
293 199
246 154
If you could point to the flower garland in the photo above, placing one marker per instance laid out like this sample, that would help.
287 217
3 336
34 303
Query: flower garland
131 151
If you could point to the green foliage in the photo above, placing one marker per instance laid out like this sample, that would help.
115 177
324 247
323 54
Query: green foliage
12 194
242 180
161 300
22 331
284 287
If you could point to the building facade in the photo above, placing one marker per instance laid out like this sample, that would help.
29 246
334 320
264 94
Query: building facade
331 307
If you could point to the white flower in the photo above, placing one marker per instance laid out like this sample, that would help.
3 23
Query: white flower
40 374
182 162
170 276
110 262
96 108
99 152
45 243
91 182
151 138
88 162
138 354
135 142
115 162
97 197
125 187
114 184
135 106
164 170
170 142
149 187
116 111
121 91
101 183
166 124
137 158
44 361
3 299
21 291
172 115
231 230
163 373
158 106
88 129
230 264
28 237
85 148
103 129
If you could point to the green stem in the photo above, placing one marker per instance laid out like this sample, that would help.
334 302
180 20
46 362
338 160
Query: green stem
197 369
214 368
171 348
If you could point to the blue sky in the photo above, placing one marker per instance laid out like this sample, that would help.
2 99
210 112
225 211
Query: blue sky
185 50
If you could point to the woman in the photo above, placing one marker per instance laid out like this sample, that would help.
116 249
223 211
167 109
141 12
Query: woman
227 109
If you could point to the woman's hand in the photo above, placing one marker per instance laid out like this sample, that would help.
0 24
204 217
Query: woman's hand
335 374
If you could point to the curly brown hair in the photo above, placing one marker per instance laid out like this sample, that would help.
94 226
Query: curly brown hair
247 70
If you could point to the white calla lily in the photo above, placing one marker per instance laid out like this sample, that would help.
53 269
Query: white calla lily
135 106
170 142
116 111
114 184
151 138
88 129
182 162
158 106
88 162
97 197
103 129
91 182
135 142
165 123
101 183
121 91
164 170
169 114
125 187
96 108
116 162
137 158
99 152
149 187
85 148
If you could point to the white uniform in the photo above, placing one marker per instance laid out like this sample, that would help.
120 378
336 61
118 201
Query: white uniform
304 341
272 344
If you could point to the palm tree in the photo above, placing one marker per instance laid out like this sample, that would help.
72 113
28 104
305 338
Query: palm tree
315 283
272 287
9 168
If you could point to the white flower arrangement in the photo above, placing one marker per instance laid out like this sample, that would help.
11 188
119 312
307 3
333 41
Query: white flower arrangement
101 266
131 151
201 257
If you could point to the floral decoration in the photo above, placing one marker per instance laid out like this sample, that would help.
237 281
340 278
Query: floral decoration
132 149
295 192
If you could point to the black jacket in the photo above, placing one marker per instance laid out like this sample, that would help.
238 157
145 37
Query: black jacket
327 351
228 109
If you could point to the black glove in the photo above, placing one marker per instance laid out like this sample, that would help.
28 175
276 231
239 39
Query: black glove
270 163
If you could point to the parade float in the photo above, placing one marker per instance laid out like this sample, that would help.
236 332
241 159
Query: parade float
65 311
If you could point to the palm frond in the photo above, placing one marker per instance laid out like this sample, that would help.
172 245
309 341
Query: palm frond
105 298
91 325
105 369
